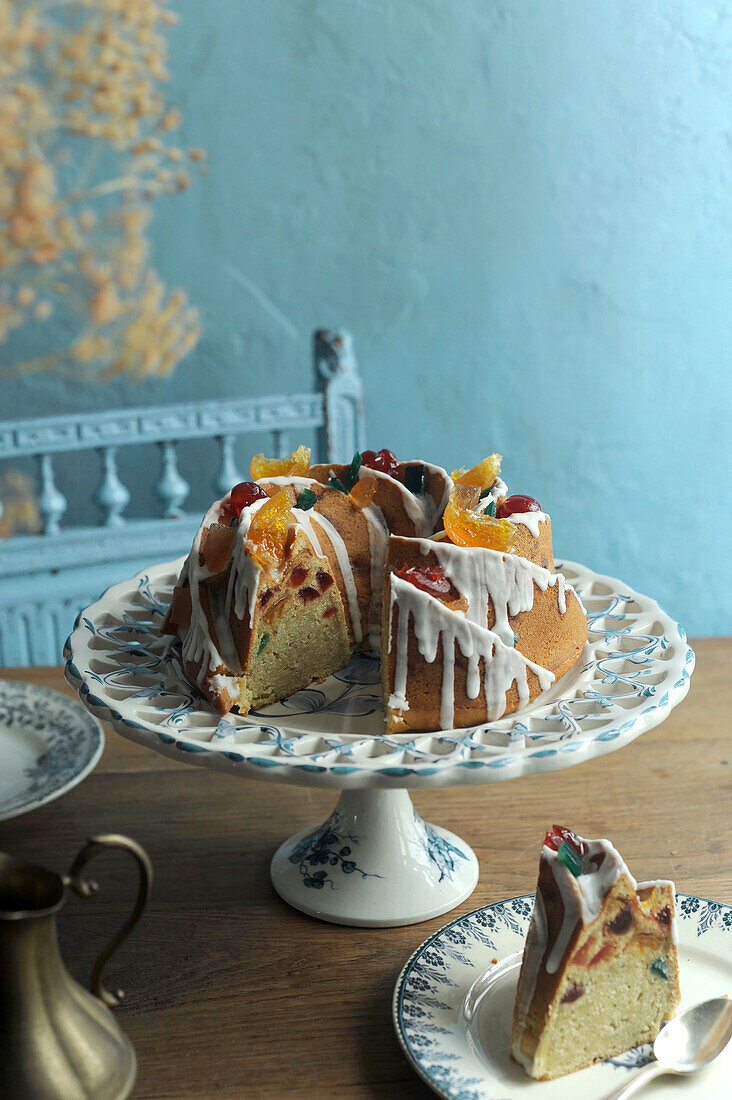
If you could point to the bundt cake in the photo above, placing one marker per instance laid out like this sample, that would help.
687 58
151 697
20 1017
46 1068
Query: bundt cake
451 578
600 972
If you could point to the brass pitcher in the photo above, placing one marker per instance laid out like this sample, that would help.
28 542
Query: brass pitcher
58 1042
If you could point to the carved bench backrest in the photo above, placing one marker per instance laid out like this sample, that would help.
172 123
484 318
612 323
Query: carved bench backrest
46 579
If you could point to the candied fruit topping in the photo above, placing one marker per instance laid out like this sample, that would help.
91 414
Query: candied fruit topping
558 834
658 966
415 478
465 527
574 993
621 923
516 504
428 578
267 536
483 475
295 465
570 857
351 475
242 495
363 491
306 500
386 462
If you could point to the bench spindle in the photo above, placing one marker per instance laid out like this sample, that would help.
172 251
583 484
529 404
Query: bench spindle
51 501
172 489
228 474
112 496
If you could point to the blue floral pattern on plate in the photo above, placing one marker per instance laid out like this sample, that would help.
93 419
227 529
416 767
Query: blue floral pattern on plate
635 668
431 990
48 743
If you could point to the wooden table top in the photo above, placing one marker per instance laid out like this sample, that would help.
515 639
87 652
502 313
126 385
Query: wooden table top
230 993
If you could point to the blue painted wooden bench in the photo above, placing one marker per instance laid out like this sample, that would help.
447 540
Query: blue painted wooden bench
46 579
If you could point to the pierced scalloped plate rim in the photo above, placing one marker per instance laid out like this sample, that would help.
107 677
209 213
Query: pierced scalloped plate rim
447 1046
56 767
349 758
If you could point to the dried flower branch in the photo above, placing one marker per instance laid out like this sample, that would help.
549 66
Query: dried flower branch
19 511
84 148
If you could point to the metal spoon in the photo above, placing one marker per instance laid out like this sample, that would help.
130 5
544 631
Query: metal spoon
686 1044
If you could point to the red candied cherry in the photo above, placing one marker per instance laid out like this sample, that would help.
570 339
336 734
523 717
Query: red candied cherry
430 579
386 462
517 503
244 494
558 834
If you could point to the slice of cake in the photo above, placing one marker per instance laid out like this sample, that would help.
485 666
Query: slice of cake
599 973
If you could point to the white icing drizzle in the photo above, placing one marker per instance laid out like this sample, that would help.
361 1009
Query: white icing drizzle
531 520
533 954
498 489
304 521
378 544
344 564
582 896
480 574
420 508
434 623
197 644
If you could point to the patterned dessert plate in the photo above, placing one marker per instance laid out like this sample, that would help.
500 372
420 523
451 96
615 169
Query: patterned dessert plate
453 1004
634 670
48 744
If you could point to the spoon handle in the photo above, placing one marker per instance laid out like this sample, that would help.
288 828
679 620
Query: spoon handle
637 1081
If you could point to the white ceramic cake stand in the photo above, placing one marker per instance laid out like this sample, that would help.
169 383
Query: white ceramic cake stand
374 861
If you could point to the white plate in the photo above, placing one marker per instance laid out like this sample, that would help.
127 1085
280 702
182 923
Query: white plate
48 744
453 1005
635 669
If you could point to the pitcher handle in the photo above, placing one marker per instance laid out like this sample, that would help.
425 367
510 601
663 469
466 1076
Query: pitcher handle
86 888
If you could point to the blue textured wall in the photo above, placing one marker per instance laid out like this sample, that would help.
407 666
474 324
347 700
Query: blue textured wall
522 210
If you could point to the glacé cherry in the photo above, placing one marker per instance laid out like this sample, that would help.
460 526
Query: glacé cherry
517 503
558 834
244 494
429 579
386 462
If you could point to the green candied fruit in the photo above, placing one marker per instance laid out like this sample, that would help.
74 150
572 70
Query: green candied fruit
658 966
351 476
491 509
414 478
262 643
337 484
570 857
306 500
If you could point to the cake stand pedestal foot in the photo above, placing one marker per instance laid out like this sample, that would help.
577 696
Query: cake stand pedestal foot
374 863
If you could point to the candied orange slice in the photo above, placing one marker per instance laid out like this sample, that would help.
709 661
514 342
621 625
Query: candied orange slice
295 465
363 491
483 475
467 528
267 535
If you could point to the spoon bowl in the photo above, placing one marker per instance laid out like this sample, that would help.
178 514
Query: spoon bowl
696 1037
688 1043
